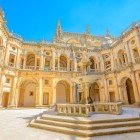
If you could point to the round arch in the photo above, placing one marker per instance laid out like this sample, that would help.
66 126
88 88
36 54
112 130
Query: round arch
128 92
122 56
94 92
93 62
30 59
27 92
63 61
62 92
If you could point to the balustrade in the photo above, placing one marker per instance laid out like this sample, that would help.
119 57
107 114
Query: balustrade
63 68
91 71
88 109
30 67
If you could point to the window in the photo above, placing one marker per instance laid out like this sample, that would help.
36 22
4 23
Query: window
7 80
110 82
46 82
31 93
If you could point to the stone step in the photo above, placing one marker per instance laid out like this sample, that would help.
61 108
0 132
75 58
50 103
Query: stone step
86 133
82 120
88 126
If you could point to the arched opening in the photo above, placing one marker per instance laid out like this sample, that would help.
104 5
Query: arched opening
5 99
136 55
112 96
27 95
122 56
30 62
94 92
92 61
11 60
130 91
62 92
63 63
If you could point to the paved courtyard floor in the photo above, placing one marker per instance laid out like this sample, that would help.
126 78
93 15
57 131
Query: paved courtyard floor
13 126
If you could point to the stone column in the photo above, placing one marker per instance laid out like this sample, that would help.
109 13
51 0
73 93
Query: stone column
54 95
75 62
106 89
24 63
121 93
135 88
18 59
39 93
58 63
117 93
102 64
125 95
35 65
42 62
2 77
112 61
138 42
86 91
74 93
68 64
12 102
129 53
7 54
53 61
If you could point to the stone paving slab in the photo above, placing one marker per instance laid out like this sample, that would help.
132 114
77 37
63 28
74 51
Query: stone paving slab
13 126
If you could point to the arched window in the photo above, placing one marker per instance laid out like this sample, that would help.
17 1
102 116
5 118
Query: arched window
63 63
122 56
11 60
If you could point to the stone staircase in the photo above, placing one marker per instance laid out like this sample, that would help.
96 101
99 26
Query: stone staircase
84 127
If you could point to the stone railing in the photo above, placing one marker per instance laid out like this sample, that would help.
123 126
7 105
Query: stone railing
47 68
94 71
63 69
123 66
89 109
110 108
30 67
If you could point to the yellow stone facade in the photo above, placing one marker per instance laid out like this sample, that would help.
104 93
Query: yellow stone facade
73 68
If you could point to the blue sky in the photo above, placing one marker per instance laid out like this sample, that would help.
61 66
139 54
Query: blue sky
37 19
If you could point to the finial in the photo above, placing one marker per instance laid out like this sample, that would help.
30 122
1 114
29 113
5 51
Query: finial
87 29
108 33
58 33
1 12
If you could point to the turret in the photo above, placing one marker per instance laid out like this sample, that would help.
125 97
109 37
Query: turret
58 33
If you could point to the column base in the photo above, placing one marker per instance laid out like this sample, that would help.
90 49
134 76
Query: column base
1 107
38 106
137 104
11 107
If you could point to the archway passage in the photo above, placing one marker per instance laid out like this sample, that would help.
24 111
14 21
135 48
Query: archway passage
130 91
62 92
5 99
94 92
27 94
